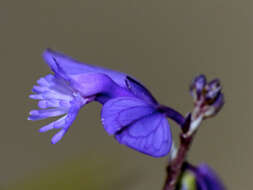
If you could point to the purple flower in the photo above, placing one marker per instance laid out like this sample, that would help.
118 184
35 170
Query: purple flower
207 179
129 112
201 177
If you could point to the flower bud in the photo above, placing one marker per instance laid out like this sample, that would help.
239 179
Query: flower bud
197 86
201 177
208 100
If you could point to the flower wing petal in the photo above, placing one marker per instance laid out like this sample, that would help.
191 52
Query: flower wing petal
137 125
120 112
150 135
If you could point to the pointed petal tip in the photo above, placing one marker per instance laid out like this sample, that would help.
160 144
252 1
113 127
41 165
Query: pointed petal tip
35 96
48 54
49 57
53 142
58 136
34 112
43 130
48 51
31 96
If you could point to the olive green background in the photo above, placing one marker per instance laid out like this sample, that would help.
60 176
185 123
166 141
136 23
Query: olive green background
164 44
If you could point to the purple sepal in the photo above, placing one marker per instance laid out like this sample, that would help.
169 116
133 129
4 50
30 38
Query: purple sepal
137 125
73 67
150 135
100 80
121 112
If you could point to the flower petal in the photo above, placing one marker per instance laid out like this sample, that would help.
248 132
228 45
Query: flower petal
138 125
139 90
54 125
73 67
68 122
147 135
58 136
42 114
120 112
53 103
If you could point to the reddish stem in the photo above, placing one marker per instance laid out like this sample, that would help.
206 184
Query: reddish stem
175 167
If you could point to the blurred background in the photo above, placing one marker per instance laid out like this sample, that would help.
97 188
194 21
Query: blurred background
164 44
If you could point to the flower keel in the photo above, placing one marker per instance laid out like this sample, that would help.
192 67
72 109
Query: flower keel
56 98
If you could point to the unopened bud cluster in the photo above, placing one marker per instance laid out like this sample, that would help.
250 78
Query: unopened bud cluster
208 100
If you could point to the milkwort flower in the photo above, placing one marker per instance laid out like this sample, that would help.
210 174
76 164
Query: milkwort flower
129 111
201 177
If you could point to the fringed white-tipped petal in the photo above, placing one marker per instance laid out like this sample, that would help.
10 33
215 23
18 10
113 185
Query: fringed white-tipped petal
43 114
58 136
43 104
56 99
54 125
